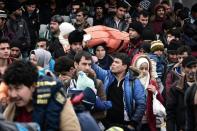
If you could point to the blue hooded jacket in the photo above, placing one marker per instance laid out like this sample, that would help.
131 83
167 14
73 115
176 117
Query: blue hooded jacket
131 94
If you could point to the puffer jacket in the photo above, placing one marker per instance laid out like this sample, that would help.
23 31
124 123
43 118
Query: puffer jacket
138 94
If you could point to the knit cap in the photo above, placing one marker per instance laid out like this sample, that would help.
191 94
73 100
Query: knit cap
137 26
188 61
156 45
3 14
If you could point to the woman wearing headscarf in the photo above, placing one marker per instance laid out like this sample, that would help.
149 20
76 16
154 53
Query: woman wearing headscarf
104 60
43 59
143 64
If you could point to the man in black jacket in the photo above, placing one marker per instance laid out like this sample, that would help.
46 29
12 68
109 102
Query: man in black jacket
175 101
17 27
117 21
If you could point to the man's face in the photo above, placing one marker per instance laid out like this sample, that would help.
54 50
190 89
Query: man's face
99 10
80 18
31 8
133 34
144 20
84 65
42 45
167 8
75 8
190 72
2 22
18 12
4 51
170 37
117 66
15 52
182 56
161 13
21 95
172 57
54 26
120 12
76 47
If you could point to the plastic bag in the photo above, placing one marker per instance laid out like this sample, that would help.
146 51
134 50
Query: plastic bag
158 108
84 81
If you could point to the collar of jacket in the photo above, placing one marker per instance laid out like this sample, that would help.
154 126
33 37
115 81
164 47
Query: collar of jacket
181 83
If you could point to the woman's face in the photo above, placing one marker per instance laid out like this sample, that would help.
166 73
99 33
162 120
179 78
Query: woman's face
144 69
100 52
33 59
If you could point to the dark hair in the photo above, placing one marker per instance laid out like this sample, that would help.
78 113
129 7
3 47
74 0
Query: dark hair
165 2
183 49
122 4
174 32
77 2
42 39
75 36
122 56
194 8
21 72
84 11
81 54
63 63
4 40
183 13
143 13
57 18
168 24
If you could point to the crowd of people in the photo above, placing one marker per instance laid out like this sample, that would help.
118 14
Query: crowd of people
84 65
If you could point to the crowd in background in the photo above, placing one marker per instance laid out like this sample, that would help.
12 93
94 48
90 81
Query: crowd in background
87 65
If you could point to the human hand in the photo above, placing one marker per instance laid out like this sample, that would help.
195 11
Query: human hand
152 88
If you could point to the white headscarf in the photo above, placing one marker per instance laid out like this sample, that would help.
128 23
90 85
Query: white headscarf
145 79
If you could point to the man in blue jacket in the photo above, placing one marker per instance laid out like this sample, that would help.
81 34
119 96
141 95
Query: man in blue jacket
125 92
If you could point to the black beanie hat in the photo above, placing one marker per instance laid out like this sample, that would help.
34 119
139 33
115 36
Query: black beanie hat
13 6
146 47
173 46
31 2
148 34
188 61
177 6
137 26
75 36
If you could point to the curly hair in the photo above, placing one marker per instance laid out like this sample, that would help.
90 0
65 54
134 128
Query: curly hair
21 72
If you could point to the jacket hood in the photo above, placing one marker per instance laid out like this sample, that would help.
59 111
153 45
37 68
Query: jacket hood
134 63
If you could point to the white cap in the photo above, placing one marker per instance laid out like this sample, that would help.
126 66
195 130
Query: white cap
66 28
